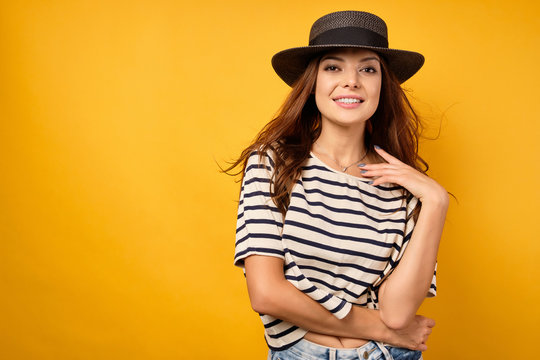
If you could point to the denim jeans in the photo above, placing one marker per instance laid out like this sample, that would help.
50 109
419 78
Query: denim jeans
306 350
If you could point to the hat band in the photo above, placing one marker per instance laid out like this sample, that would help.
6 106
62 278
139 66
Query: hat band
350 36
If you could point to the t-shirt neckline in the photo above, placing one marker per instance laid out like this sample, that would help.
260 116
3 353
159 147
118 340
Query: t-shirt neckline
365 180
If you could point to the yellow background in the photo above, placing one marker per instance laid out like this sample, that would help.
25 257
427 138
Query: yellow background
117 231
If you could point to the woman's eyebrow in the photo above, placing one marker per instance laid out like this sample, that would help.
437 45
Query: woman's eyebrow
331 57
370 58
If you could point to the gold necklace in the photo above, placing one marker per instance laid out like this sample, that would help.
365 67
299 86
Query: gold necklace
343 168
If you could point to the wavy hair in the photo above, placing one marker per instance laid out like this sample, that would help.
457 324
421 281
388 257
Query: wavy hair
394 126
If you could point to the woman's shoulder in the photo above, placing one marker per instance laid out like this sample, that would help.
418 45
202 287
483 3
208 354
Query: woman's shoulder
262 157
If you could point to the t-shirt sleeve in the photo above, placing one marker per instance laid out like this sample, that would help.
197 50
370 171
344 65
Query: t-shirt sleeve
433 287
259 222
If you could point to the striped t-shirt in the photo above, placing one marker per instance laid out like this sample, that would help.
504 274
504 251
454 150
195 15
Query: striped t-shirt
339 239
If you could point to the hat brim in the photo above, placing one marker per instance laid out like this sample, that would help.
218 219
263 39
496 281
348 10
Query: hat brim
290 64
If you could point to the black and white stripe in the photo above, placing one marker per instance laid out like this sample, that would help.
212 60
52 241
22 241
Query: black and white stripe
339 240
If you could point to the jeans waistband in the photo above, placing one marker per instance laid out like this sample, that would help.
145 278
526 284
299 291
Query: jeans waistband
309 350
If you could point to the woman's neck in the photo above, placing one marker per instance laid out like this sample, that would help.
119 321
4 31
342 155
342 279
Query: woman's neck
343 145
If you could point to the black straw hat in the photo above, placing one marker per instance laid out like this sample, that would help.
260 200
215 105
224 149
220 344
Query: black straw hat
343 29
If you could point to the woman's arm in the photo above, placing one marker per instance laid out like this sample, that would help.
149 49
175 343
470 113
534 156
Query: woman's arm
404 290
271 294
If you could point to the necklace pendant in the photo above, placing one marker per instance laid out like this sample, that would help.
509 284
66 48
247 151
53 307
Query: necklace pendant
345 169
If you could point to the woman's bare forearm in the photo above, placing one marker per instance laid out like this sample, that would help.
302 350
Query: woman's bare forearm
271 294
405 289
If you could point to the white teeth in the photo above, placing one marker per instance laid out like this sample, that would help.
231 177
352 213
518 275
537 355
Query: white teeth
348 100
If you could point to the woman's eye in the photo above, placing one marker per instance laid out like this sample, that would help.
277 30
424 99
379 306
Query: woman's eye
331 68
368 70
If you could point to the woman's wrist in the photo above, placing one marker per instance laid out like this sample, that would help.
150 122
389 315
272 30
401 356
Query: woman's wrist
367 324
435 206
437 198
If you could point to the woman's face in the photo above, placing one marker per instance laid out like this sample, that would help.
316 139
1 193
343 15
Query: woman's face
348 86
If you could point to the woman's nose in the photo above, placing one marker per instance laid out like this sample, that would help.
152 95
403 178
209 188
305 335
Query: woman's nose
351 79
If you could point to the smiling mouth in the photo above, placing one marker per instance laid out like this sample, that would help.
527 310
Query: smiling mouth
349 100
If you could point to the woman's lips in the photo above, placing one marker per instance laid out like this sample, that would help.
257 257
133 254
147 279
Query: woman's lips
349 102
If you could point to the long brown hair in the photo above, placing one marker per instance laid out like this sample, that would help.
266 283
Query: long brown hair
290 135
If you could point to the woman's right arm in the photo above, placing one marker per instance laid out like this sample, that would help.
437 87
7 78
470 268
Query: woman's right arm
271 294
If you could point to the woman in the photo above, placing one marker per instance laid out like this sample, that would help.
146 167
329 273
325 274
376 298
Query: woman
338 225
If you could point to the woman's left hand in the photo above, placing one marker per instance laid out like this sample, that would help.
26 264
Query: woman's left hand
421 186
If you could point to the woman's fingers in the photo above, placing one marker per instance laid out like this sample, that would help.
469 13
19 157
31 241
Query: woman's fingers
415 335
383 180
381 172
374 170
429 322
386 173
397 172
386 156
378 166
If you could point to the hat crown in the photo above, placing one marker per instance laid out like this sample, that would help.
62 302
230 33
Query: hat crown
344 19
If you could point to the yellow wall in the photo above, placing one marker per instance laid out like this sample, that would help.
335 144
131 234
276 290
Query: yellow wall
117 231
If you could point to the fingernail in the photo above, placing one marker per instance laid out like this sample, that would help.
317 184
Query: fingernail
361 165
363 171
370 182
377 147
